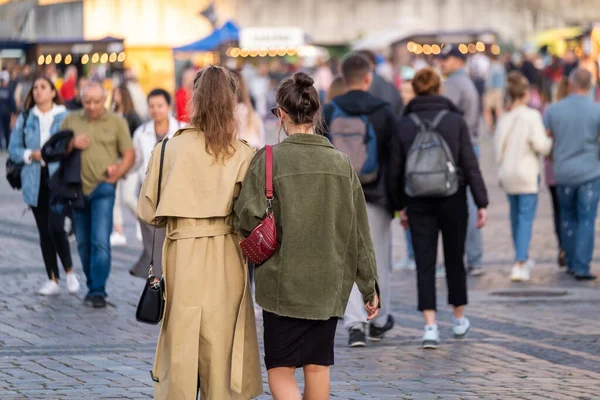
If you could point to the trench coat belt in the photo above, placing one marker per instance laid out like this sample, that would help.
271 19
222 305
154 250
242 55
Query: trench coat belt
239 335
199 231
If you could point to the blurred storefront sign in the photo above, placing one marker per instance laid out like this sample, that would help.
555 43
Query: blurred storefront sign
271 38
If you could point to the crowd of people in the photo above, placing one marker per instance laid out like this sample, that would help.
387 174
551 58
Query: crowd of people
359 147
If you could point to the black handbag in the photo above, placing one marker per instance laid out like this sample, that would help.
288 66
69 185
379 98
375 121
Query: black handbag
151 306
13 169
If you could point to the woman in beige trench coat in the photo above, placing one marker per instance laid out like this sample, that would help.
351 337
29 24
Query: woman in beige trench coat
208 334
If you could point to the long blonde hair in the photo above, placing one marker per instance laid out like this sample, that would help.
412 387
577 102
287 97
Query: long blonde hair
252 118
213 105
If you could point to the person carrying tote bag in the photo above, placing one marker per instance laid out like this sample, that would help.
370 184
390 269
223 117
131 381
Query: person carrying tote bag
520 141
208 339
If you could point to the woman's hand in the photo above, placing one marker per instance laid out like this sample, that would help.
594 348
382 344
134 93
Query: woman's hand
481 218
403 219
372 310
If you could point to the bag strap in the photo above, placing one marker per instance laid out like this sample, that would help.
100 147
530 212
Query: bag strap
417 121
438 118
269 172
505 142
160 172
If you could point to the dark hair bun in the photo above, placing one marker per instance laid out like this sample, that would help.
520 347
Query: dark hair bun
303 80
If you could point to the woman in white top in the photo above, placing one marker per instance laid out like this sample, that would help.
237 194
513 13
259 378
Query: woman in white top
520 141
41 118
145 138
251 127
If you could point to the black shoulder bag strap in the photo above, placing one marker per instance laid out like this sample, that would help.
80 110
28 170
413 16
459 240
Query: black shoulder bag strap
160 172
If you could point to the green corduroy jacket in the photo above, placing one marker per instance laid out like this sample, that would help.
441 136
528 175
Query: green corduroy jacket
324 242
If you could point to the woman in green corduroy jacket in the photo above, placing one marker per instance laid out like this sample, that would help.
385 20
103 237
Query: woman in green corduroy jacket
324 244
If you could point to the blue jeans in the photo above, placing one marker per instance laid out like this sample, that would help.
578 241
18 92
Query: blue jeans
474 242
578 209
522 214
93 226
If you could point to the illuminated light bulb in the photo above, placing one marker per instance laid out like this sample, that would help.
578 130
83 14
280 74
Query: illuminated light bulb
435 49
480 46
410 46
41 60
85 59
418 49
472 48
95 58
263 52
68 59
427 49
112 58
495 49
281 52
463 48
272 52
244 53
104 58
292 52
235 52
57 59
48 59
121 57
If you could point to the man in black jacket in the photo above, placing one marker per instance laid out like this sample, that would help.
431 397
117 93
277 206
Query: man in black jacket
357 71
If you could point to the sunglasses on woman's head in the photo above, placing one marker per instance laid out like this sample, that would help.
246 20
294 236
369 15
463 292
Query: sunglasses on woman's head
275 111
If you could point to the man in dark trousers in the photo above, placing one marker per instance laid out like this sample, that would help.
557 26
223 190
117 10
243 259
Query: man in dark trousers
7 107
354 107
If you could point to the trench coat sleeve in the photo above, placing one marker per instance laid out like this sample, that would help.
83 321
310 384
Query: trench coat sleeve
250 206
366 276
147 201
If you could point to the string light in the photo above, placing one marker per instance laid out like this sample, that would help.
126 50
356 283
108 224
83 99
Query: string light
41 60
495 49
427 49
435 49
263 52
463 48
48 59
480 46
85 59
121 57
57 59
418 49
104 58
112 58
68 59
472 48
235 52
95 58
410 46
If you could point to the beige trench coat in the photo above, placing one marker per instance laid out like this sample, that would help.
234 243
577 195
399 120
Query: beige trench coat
208 330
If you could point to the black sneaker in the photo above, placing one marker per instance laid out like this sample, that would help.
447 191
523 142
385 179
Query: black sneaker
585 277
98 301
376 333
87 301
357 338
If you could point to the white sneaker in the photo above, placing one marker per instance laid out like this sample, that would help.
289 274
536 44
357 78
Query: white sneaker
50 288
530 264
520 273
138 231
72 282
118 239
461 327
431 337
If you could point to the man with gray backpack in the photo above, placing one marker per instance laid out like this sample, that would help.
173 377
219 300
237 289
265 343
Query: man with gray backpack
433 165
361 126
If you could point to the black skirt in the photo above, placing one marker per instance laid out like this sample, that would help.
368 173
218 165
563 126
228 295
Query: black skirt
295 342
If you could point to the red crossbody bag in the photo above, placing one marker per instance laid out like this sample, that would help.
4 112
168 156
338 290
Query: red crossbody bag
262 242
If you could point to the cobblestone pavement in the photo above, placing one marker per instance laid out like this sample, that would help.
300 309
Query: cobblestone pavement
519 348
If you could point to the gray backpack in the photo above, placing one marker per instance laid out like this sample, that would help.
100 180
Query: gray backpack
430 168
